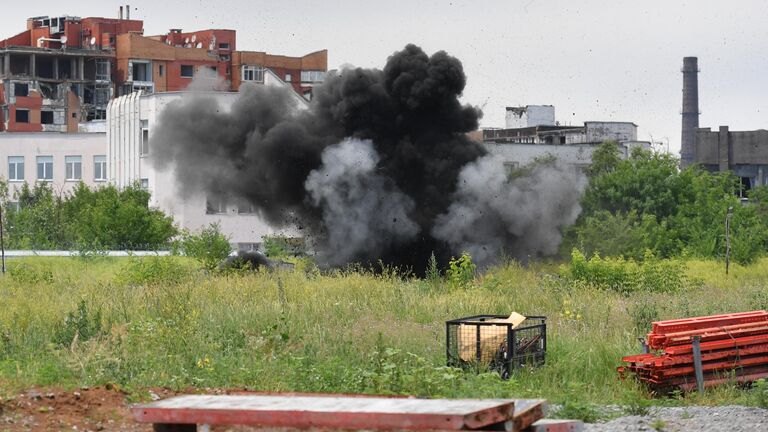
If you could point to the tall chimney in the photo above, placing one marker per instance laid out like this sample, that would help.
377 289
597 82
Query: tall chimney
127 12
690 111
120 14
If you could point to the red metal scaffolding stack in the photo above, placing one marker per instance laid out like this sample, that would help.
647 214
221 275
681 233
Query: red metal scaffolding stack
734 348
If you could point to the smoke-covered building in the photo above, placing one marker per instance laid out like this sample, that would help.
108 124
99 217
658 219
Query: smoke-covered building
131 120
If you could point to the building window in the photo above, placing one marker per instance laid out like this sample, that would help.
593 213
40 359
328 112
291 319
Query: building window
253 73
45 168
16 168
103 70
144 149
144 183
312 76
245 207
160 70
288 77
187 71
74 167
22 116
46 117
215 205
20 89
100 168
224 57
224 46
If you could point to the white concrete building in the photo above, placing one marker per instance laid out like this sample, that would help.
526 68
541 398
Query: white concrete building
599 131
516 155
131 120
62 159
530 116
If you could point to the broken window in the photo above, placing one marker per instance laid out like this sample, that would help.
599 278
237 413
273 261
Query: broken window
22 116
187 71
74 167
65 68
562 140
20 89
215 205
103 70
746 185
46 117
144 183
253 73
44 66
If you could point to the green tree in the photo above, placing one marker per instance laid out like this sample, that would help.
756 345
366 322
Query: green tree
112 218
646 202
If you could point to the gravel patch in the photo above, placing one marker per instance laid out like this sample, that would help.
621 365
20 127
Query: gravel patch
711 419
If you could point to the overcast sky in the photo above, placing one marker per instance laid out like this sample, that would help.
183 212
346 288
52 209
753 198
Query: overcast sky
593 60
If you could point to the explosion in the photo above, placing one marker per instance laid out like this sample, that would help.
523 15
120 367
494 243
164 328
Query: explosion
378 168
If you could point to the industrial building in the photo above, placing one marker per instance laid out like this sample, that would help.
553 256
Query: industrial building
533 133
745 153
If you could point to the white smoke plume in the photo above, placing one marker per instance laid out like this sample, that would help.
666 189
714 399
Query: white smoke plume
522 217
361 210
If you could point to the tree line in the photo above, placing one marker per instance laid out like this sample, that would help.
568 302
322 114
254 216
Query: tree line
646 203
105 218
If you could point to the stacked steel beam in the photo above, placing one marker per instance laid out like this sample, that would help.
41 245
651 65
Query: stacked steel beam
734 348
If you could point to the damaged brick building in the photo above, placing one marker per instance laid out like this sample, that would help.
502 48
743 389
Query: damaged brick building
61 72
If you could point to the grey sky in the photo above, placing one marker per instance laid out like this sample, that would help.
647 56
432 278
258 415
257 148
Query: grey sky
593 60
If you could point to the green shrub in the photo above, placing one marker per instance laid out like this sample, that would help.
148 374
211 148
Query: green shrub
209 247
80 324
759 393
577 410
461 270
627 275
151 270
25 273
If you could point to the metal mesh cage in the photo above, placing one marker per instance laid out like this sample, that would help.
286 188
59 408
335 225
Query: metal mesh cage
486 342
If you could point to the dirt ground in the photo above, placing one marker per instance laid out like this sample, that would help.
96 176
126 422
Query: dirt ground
85 409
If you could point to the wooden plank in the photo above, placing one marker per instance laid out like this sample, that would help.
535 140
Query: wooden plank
546 425
327 412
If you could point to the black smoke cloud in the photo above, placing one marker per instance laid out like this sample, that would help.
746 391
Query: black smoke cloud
371 171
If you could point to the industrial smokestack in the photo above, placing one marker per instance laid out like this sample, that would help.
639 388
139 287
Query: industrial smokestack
690 110
127 12
120 14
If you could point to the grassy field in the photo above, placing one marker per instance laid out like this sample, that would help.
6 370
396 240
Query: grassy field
153 322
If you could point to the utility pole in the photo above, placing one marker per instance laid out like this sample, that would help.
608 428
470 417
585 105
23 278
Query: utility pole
728 238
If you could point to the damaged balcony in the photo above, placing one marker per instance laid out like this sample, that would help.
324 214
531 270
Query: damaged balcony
59 88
